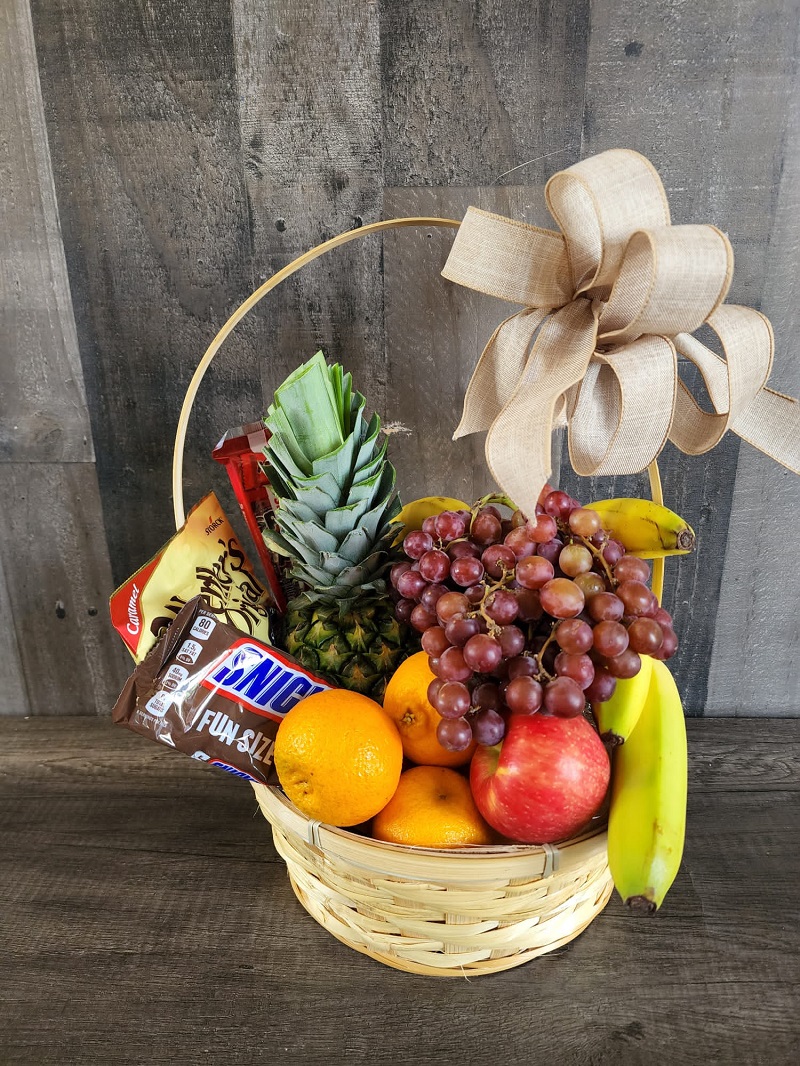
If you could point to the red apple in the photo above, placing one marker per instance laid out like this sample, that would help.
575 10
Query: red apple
543 781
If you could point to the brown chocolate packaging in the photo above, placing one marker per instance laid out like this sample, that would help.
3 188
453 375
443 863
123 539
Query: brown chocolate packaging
215 693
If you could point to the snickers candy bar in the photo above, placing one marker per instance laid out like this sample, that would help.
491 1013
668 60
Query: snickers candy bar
215 693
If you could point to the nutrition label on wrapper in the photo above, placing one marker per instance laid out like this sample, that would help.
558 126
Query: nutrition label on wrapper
175 677
203 627
159 704
190 652
214 693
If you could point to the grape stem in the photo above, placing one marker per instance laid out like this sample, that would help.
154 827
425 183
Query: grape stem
488 589
538 656
497 497
493 497
596 552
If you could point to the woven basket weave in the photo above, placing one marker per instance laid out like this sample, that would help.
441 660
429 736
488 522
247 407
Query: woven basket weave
442 913
457 912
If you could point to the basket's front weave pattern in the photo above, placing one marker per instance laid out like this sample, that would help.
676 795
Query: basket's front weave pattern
434 921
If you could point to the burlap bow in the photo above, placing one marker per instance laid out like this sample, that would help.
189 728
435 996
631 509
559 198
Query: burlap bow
610 300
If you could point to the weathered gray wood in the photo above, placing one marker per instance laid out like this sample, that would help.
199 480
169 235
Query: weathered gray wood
703 90
12 680
43 415
482 126
689 87
742 755
52 546
481 94
198 148
435 332
308 77
142 117
754 667
53 556
146 918
727 755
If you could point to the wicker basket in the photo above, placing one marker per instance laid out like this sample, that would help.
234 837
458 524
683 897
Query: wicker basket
443 913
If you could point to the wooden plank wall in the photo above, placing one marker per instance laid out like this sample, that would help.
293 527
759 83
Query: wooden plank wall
56 653
162 160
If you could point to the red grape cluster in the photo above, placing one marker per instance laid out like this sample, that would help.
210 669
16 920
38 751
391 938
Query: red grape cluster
525 617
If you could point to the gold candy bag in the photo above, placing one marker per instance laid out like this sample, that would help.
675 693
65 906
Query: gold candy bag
203 558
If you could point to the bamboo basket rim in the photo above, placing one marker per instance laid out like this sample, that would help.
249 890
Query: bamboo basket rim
472 863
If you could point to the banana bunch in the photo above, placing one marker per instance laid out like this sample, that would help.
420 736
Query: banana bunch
617 717
647 819
645 529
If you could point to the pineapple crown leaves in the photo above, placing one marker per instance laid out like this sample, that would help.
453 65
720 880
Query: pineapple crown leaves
342 595
327 465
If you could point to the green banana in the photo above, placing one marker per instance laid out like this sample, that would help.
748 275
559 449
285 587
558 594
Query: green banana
617 717
647 819
646 529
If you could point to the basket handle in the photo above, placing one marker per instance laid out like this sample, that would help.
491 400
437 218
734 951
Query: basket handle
241 311
272 283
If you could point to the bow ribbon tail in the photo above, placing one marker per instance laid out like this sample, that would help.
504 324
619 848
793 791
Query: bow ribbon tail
498 371
737 388
772 424
519 441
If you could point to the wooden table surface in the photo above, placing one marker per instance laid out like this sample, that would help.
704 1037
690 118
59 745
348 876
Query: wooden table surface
145 918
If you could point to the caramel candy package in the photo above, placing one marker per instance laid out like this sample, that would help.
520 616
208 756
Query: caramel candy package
214 693
203 558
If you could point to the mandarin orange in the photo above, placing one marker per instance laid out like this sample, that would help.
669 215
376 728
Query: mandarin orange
432 808
406 703
338 757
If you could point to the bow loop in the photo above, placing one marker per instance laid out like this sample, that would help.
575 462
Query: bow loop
498 372
518 442
670 280
732 383
512 260
622 410
607 303
599 204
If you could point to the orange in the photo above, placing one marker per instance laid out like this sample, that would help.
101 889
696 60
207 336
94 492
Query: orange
406 703
338 757
432 808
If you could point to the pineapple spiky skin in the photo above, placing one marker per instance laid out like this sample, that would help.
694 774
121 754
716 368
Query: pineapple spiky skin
358 649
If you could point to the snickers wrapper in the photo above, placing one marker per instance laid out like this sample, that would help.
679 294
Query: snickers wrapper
215 693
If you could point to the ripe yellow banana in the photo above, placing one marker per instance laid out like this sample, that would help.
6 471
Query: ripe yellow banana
414 514
646 529
617 717
647 819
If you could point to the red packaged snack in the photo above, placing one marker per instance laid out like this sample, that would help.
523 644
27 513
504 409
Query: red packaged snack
241 452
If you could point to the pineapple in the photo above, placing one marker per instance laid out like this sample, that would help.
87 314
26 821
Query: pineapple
336 492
